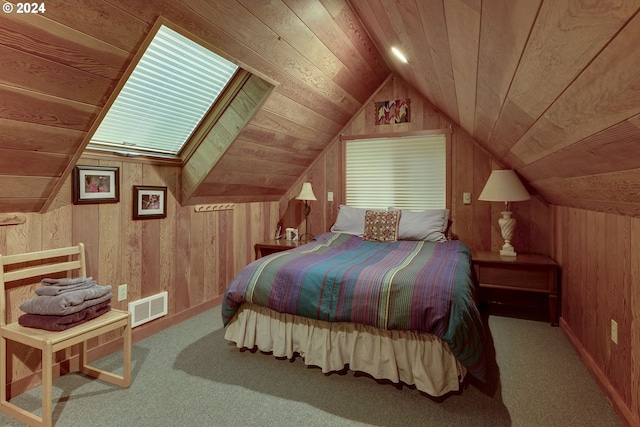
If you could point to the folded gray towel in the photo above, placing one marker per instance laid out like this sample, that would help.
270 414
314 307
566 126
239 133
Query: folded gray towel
65 281
68 302
61 323
53 290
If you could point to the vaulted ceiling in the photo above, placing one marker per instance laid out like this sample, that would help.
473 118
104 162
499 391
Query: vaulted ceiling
550 88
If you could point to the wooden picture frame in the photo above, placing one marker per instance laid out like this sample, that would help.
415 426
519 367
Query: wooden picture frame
149 202
95 184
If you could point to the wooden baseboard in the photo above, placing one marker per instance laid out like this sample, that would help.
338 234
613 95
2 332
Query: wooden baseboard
31 381
623 411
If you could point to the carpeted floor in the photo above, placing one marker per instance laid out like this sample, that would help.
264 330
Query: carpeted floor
189 375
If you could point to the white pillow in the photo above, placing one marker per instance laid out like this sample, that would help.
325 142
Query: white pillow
351 220
429 225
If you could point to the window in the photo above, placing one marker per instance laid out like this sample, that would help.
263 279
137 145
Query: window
172 87
407 172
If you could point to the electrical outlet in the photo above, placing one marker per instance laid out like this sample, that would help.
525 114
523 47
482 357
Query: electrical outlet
614 331
122 292
330 196
466 198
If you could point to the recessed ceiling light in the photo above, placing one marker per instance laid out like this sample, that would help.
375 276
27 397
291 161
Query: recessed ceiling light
399 55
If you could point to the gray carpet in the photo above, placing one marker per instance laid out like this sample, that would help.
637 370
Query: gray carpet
189 375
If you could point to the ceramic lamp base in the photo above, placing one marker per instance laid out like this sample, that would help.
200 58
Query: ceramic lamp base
508 252
507 225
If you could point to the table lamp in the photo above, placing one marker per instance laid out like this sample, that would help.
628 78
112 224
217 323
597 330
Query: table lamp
306 194
504 186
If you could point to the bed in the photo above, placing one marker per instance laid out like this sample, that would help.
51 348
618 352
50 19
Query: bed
397 309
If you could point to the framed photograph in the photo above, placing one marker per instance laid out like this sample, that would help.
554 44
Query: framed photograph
96 184
149 202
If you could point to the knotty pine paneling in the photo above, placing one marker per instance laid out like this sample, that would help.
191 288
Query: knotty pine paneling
43 37
334 31
290 28
475 224
549 109
586 108
240 25
598 254
59 69
25 163
613 149
17 135
463 27
101 21
45 76
25 186
561 113
498 57
191 255
635 319
32 107
246 95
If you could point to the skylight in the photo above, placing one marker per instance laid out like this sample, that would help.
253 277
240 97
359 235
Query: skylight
164 99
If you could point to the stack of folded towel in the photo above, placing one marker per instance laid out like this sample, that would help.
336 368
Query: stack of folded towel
63 303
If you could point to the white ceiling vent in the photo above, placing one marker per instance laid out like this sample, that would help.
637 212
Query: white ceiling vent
148 309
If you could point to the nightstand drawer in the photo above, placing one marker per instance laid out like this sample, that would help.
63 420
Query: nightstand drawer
514 277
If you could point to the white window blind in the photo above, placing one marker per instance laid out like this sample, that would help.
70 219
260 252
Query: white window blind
166 96
407 172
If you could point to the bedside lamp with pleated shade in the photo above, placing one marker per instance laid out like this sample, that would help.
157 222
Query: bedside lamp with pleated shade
505 186
306 194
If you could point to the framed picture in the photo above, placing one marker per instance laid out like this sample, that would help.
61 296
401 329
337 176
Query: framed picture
96 184
149 202
393 112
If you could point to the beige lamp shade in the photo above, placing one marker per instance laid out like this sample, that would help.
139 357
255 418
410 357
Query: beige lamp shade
504 186
306 192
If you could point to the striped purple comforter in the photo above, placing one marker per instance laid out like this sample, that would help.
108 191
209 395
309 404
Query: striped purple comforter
406 285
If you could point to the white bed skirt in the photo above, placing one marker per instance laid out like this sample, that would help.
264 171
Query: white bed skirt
422 360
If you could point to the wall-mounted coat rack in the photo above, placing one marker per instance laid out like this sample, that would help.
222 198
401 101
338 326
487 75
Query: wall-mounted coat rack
12 219
218 207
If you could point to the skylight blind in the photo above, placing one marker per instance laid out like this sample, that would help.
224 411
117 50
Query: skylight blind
407 173
172 87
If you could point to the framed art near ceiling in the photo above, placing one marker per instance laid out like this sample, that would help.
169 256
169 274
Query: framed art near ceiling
393 112
149 202
95 184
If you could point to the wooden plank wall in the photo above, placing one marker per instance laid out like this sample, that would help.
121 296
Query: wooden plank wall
476 224
191 255
599 255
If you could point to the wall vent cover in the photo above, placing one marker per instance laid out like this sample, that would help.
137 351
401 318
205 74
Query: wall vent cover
148 309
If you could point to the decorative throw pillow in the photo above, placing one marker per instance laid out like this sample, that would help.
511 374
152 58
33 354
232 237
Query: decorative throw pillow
429 225
381 226
350 220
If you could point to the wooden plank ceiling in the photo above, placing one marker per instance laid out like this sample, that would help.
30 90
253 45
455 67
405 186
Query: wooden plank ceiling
550 88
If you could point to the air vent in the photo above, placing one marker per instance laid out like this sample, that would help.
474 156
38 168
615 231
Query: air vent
148 309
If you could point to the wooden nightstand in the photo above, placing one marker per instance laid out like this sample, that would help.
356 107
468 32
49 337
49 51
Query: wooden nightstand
533 273
273 246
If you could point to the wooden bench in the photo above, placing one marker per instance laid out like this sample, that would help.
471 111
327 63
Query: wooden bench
36 266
